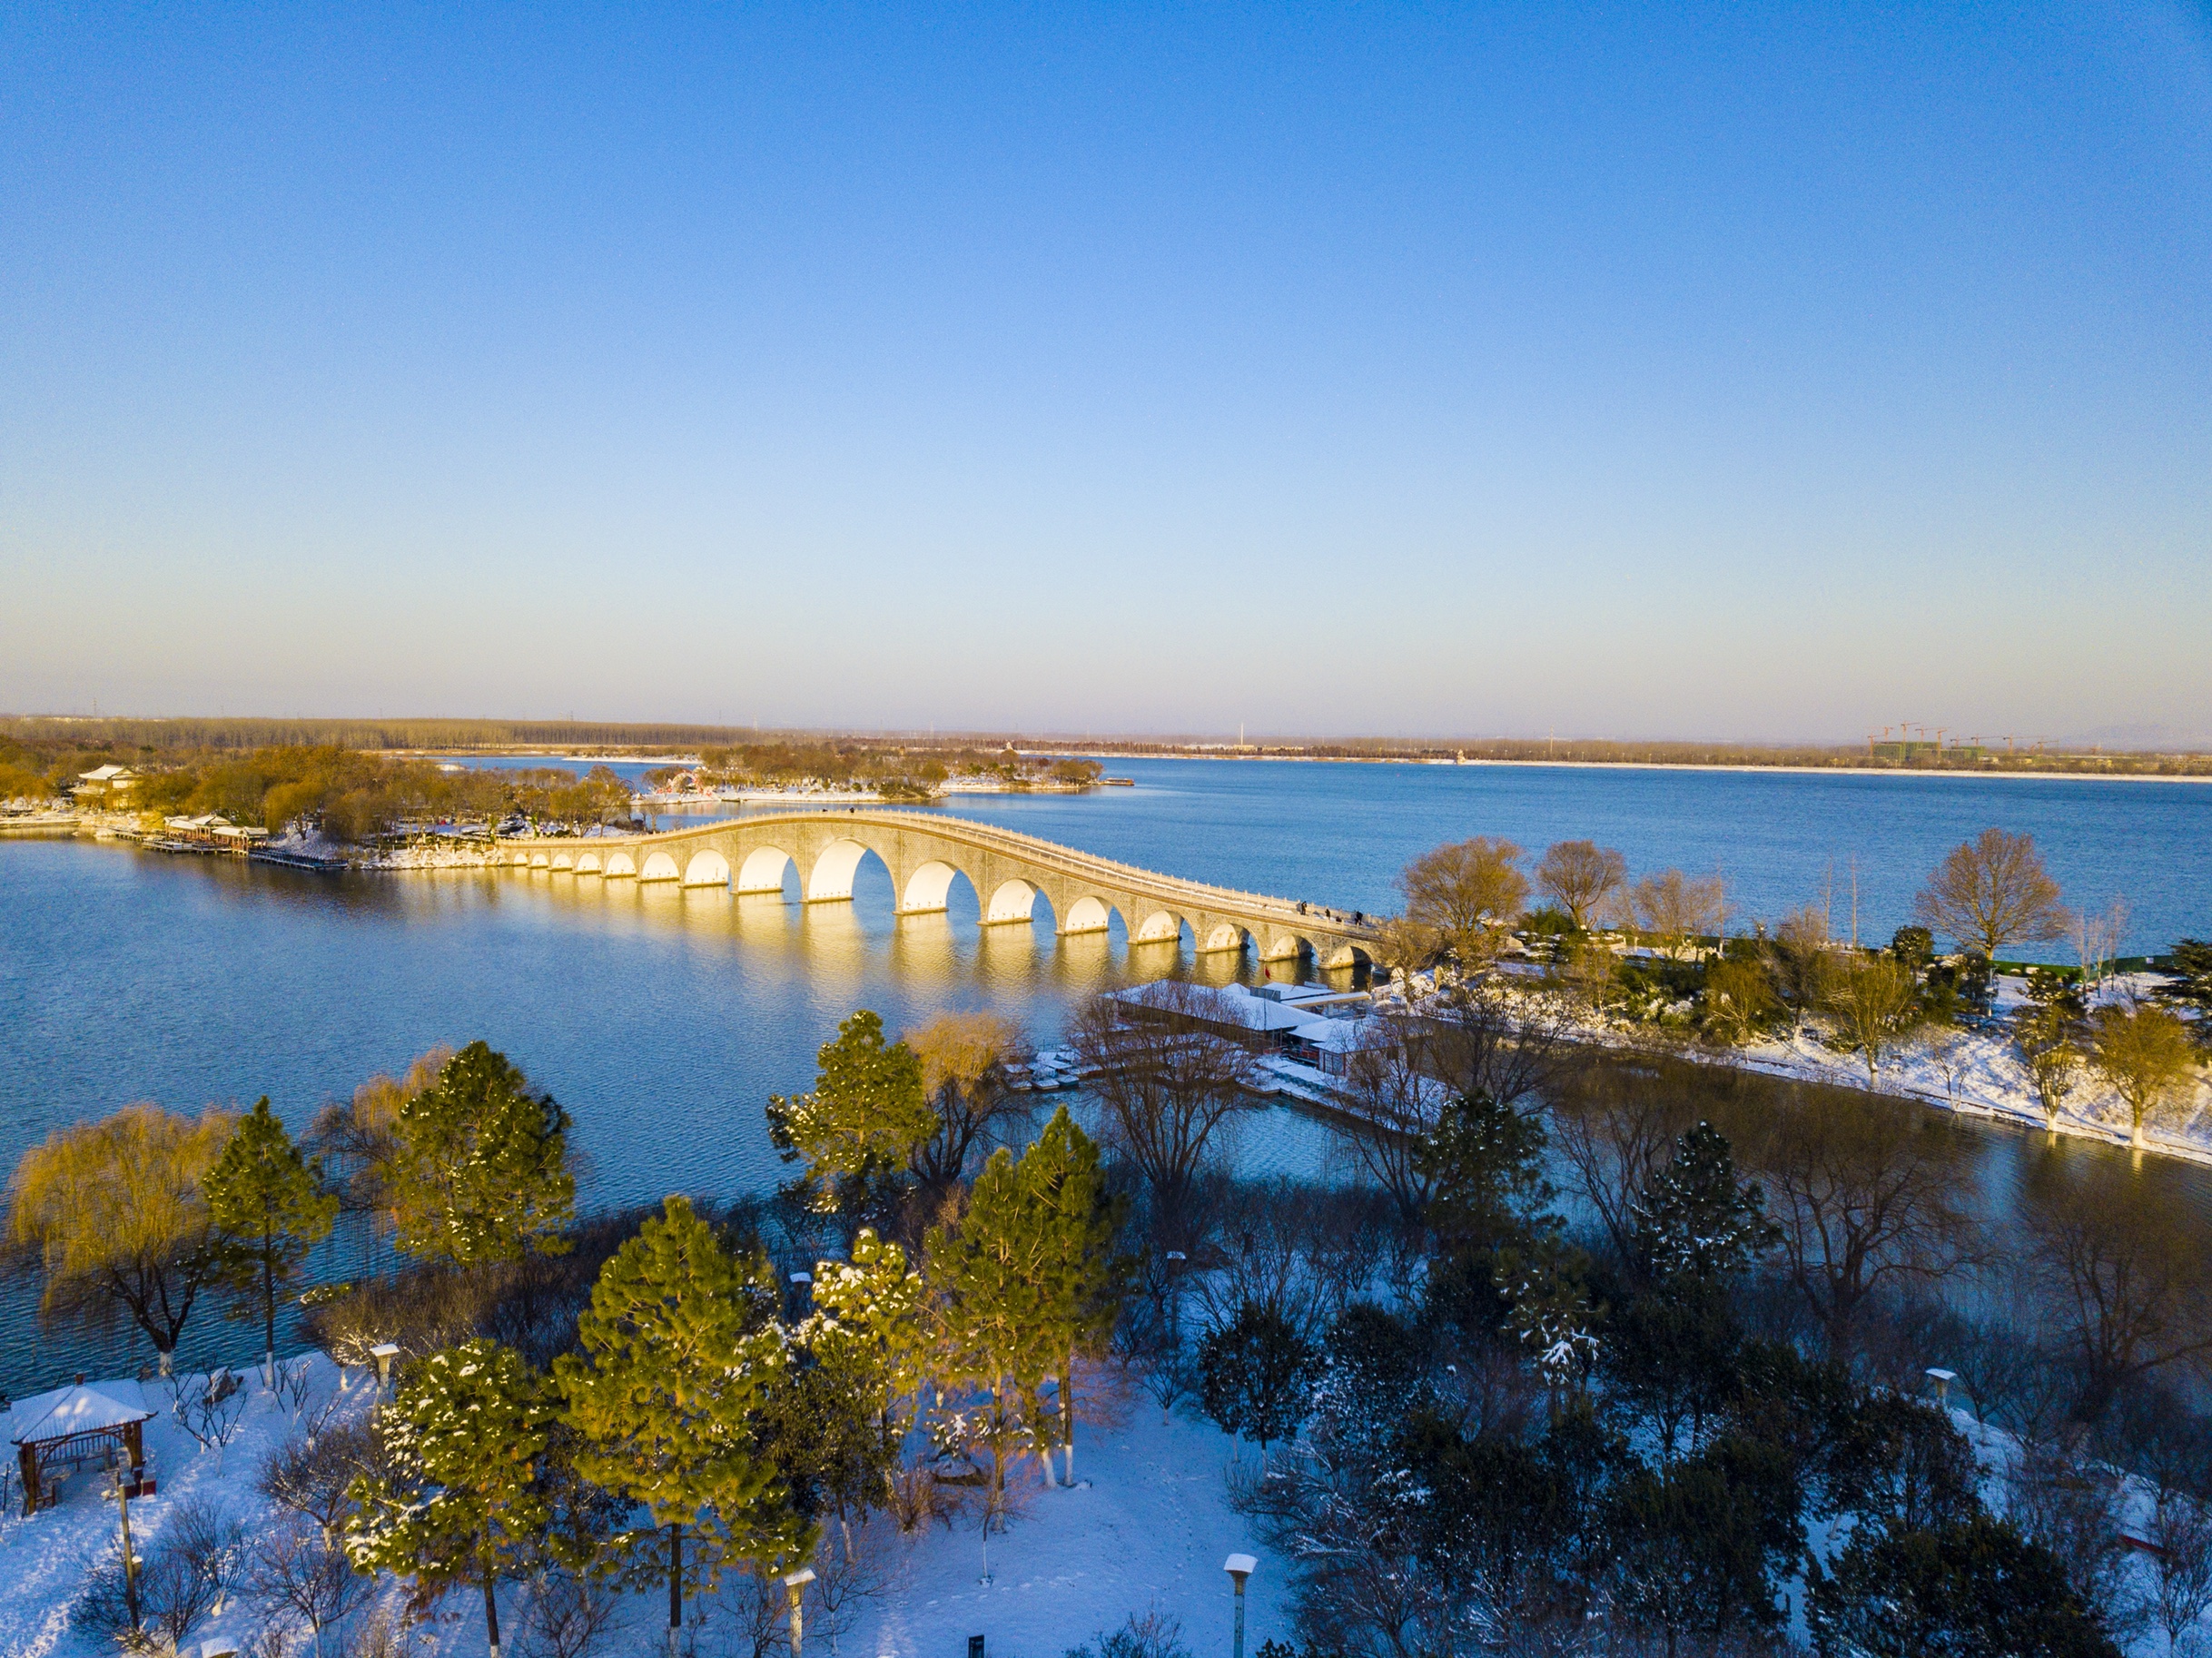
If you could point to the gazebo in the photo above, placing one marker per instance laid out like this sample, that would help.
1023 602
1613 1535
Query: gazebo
67 1425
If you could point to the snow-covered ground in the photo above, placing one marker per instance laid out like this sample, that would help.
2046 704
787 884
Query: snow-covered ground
1982 1074
1977 1072
1146 1526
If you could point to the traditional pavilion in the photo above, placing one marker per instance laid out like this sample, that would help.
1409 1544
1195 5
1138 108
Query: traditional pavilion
69 1426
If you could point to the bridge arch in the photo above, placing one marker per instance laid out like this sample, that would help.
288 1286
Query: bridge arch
561 860
1288 947
588 865
659 866
1088 913
762 870
620 863
1223 938
832 876
707 867
929 889
1159 927
1013 899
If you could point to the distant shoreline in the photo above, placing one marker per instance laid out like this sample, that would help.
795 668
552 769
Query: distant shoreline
1666 765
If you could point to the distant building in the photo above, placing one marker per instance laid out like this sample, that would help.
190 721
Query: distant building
212 829
107 785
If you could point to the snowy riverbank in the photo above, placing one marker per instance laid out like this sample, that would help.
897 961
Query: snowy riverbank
1977 1073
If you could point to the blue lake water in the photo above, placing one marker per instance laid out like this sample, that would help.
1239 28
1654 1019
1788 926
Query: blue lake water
663 1017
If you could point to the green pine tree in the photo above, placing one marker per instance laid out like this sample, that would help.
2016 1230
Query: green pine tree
860 1127
1696 1219
680 1347
269 1208
993 1276
482 1172
1086 1280
460 1502
865 1334
1485 1163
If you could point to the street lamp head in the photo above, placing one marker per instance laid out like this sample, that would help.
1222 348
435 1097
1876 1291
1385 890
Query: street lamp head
799 1579
1240 1567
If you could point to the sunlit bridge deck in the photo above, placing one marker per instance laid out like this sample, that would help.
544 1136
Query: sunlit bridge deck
924 851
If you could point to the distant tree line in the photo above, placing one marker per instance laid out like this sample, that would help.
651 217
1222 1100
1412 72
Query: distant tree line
1658 956
350 794
896 770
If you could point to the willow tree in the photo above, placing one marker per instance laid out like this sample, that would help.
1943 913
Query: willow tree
358 1140
963 1057
118 1216
269 1208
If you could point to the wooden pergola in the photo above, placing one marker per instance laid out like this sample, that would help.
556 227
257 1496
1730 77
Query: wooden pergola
69 1425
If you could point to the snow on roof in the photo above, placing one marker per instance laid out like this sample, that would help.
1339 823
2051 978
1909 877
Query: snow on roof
1230 1004
1337 1035
69 1411
105 773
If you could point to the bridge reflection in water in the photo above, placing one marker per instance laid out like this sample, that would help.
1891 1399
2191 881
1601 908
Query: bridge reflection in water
926 855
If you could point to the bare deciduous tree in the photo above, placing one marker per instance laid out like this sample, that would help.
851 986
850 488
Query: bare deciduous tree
1469 893
1392 1099
1579 876
2097 939
1504 1042
1674 908
2128 1272
310 1474
2145 1053
1802 953
963 1076
1167 1075
1868 1197
2072 1506
571 1615
1874 1001
1739 1002
1990 891
2180 1536
291 1569
1616 1126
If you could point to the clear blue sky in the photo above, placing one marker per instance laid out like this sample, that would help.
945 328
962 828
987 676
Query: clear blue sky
1742 372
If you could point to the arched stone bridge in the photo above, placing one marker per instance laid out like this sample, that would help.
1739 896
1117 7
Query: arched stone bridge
923 852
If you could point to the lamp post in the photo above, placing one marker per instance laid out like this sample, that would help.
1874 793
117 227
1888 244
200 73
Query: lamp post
794 1585
1240 1567
1943 1379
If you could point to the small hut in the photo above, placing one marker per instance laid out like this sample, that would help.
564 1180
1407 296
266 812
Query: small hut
69 1426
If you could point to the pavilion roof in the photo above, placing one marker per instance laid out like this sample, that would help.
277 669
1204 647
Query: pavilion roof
67 1412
